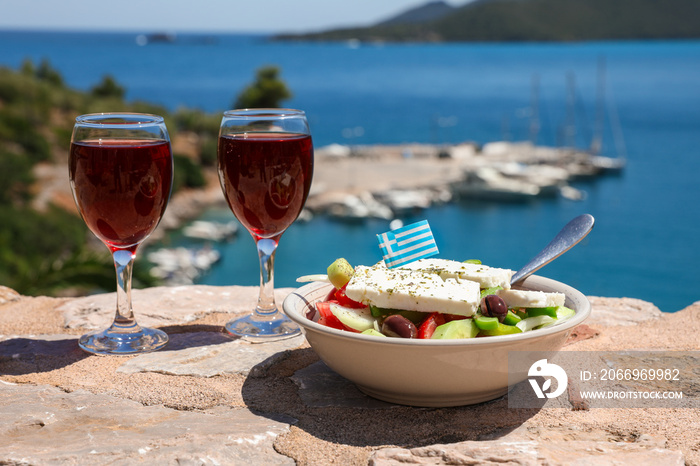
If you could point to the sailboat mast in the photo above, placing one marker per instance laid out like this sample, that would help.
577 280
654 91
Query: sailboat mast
535 110
597 140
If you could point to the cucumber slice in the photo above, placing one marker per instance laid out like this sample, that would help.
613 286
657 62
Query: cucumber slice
465 328
501 329
356 319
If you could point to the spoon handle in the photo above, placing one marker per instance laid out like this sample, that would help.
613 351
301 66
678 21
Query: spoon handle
568 237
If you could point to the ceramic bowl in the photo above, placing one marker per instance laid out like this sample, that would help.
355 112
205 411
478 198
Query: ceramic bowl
432 373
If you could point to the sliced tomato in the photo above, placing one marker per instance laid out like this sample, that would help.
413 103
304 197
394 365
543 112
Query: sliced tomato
428 326
326 323
327 318
331 295
324 308
343 299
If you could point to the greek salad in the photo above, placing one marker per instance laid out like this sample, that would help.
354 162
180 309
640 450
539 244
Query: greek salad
432 299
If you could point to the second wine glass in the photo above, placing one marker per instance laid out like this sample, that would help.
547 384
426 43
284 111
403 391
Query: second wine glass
265 164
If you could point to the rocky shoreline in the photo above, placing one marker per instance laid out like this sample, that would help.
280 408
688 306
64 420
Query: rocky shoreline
377 181
387 181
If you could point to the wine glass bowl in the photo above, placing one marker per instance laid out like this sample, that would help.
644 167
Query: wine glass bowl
121 173
265 165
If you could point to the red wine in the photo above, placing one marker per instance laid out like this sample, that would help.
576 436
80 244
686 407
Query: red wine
121 187
266 179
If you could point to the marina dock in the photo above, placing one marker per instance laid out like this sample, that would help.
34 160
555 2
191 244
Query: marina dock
385 181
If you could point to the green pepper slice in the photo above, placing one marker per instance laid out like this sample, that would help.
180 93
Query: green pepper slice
511 318
486 323
542 311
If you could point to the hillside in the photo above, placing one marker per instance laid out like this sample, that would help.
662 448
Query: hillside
531 20
37 111
429 12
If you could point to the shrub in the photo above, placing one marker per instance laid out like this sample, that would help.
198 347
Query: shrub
187 173
15 178
268 91
108 87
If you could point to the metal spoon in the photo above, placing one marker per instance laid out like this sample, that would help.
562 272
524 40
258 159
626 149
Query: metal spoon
568 237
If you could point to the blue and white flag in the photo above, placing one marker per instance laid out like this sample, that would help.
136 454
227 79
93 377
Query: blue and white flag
407 244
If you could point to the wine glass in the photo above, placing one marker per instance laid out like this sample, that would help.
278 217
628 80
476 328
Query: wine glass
265 164
121 174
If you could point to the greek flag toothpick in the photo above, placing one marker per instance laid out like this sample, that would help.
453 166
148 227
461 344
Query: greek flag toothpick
407 244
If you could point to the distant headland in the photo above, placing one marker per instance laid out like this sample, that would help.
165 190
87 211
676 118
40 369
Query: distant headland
527 20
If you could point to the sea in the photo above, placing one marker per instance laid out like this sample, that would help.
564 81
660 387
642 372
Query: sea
646 94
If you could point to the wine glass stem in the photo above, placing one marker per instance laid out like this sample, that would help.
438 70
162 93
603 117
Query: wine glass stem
266 299
124 264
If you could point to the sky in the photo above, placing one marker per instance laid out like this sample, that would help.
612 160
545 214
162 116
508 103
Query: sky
199 15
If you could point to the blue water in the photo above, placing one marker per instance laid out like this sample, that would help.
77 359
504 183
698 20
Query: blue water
644 244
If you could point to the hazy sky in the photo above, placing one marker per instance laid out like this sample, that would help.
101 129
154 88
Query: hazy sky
199 15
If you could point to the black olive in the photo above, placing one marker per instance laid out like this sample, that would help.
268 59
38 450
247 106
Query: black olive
397 325
494 306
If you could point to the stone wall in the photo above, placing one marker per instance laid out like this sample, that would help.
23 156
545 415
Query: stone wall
208 399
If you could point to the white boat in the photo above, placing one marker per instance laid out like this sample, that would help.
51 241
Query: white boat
487 183
363 206
548 178
406 200
572 194
212 231
305 216
608 164
181 266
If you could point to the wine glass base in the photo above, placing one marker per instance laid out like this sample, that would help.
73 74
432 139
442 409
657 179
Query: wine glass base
111 342
258 328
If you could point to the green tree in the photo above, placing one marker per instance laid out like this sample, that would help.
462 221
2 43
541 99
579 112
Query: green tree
268 90
28 68
48 73
108 87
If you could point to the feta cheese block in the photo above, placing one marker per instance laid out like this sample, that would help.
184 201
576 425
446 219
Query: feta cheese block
529 298
486 276
412 291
